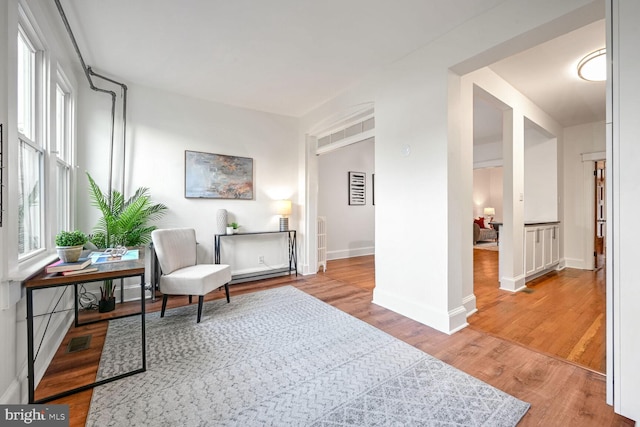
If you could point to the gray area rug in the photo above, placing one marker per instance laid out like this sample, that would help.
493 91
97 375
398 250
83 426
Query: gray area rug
283 358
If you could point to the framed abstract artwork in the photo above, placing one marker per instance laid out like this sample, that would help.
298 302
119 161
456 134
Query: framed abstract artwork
357 188
217 176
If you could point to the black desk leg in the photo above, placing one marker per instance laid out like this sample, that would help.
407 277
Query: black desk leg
75 304
30 361
144 335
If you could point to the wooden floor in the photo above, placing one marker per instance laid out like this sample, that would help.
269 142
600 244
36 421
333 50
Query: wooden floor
560 393
561 313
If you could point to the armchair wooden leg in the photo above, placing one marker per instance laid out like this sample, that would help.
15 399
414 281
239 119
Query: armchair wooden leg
164 304
200 302
226 289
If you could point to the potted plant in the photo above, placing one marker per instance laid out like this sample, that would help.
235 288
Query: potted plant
124 222
107 297
232 228
69 245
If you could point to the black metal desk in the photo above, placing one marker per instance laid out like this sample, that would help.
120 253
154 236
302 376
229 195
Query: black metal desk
113 270
293 256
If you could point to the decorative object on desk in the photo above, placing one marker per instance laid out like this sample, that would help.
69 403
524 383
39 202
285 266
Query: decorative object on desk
216 176
221 221
123 222
357 188
489 213
107 304
284 209
60 266
117 252
108 256
69 245
234 228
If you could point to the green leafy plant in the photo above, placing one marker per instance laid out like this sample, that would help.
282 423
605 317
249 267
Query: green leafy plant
234 225
123 222
71 238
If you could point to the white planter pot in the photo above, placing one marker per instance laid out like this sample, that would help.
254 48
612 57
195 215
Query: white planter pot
69 253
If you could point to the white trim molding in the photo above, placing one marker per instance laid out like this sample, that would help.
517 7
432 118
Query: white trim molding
447 322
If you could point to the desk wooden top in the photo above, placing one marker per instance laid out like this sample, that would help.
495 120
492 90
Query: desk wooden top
109 270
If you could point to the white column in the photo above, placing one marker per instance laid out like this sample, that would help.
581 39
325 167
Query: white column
511 268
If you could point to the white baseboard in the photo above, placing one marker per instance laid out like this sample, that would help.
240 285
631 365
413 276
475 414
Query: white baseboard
447 322
350 253
469 303
11 395
578 263
512 284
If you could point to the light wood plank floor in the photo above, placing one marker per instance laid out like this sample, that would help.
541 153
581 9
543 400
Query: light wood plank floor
561 393
561 313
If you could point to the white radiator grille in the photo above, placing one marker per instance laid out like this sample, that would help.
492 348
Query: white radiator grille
322 243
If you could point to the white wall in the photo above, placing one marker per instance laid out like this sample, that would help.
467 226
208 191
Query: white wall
161 126
579 140
350 228
421 163
487 191
623 237
487 154
540 177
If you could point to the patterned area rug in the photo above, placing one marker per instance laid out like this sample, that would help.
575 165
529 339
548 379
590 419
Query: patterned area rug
283 358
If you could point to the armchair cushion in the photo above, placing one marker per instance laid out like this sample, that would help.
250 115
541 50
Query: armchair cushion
195 280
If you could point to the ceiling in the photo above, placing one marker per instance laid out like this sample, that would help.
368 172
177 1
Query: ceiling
547 75
289 56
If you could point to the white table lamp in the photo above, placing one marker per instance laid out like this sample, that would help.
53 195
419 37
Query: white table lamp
284 209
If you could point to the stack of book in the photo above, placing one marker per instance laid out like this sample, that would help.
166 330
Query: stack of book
70 268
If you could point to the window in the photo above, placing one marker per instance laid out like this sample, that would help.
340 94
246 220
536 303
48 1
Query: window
30 148
63 157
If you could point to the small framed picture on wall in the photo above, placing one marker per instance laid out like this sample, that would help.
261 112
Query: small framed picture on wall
357 188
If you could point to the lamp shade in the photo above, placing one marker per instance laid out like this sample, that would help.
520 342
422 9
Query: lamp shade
489 211
284 207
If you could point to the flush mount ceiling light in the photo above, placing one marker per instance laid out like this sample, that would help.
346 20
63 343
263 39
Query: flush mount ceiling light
593 67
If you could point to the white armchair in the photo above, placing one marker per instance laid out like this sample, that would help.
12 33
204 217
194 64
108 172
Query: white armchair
181 275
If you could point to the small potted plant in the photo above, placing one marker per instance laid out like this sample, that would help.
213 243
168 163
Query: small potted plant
69 245
232 228
107 297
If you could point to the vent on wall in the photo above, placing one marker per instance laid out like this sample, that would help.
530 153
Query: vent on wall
351 131
356 128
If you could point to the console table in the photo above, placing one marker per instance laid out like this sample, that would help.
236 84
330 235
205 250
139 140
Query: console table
293 257
112 270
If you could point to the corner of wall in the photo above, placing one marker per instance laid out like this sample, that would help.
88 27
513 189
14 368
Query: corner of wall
447 322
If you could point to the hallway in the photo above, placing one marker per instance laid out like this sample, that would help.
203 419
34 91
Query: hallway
561 314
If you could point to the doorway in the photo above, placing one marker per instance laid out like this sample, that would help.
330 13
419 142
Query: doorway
600 217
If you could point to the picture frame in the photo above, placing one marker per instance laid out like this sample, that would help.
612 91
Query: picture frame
217 176
357 188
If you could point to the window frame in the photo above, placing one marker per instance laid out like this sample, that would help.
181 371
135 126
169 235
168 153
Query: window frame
37 137
64 152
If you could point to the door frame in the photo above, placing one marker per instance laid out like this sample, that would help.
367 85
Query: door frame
590 199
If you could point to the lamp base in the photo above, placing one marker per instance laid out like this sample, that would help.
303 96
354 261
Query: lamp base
284 224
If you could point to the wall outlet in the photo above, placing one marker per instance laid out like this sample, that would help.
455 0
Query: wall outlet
261 259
